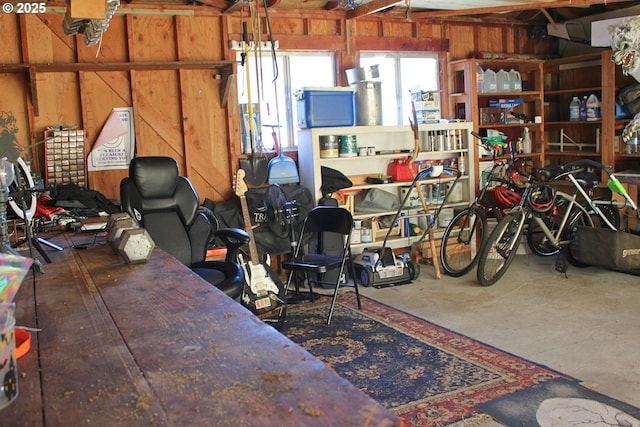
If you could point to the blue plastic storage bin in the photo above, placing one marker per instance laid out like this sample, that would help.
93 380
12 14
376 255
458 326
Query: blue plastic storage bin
325 107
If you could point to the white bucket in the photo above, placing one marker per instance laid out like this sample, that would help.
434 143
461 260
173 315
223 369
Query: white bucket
9 368
445 217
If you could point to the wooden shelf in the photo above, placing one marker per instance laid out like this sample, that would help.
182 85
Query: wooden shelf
357 168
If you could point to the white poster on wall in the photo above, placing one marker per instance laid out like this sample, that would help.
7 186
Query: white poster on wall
115 146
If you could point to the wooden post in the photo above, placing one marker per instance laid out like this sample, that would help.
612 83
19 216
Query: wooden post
423 201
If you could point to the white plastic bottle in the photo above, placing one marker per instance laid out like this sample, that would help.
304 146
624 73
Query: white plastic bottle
490 81
574 109
526 140
480 78
503 81
593 108
516 81
583 108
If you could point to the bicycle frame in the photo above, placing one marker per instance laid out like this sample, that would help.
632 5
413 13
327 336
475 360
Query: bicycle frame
573 206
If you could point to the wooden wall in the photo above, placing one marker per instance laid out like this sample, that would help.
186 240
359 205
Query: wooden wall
172 71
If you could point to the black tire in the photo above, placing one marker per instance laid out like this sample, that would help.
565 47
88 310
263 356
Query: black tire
495 257
580 219
366 276
468 225
537 240
414 269
610 212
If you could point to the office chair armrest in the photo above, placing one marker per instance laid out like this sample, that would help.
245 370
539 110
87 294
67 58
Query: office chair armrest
233 239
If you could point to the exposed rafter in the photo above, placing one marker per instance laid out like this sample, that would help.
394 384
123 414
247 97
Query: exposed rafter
500 9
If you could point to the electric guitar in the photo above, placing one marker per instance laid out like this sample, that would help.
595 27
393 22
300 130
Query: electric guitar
261 294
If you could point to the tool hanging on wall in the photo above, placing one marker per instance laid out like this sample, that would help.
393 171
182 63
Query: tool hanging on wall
282 169
256 166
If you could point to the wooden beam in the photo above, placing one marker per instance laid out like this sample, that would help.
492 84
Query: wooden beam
239 4
498 9
371 8
118 66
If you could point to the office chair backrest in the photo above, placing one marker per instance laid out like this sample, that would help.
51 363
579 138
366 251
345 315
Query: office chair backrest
166 205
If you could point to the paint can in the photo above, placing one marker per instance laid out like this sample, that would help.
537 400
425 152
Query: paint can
445 217
328 146
348 145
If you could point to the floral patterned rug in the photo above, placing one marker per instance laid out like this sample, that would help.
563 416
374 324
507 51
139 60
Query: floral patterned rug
428 375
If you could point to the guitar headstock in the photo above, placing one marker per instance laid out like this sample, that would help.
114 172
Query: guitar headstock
239 186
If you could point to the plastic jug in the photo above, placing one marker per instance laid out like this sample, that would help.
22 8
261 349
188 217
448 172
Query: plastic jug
480 78
583 108
490 81
574 109
516 80
593 108
503 81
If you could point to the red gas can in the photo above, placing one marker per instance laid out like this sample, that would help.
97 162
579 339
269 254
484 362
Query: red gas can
399 170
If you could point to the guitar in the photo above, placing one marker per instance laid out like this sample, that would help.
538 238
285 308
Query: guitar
261 294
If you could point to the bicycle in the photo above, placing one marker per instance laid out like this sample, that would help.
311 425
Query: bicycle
466 232
538 202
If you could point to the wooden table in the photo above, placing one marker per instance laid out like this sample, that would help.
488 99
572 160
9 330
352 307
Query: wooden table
153 344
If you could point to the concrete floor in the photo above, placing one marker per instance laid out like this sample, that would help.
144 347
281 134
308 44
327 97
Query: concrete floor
586 325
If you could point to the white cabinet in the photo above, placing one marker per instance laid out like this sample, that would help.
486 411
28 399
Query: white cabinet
392 142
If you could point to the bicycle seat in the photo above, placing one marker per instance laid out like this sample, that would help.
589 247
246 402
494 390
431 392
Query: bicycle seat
551 173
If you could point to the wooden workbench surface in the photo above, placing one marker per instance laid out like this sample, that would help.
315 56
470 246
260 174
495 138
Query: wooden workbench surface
153 344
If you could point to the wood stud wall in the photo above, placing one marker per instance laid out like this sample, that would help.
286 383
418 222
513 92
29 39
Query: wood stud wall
178 109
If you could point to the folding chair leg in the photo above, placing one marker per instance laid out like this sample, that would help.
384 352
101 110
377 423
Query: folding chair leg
355 285
333 302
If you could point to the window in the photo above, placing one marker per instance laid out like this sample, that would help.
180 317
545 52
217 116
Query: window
274 85
401 74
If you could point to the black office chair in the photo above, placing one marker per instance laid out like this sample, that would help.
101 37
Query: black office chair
168 207
311 258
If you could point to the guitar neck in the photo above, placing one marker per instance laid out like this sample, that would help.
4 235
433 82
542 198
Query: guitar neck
253 249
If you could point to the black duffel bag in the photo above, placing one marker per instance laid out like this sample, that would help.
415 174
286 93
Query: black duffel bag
616 250
229 214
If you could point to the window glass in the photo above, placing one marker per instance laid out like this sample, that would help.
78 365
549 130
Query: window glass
401 74
272 87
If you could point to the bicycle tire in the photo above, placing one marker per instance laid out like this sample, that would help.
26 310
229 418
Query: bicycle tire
494 259
468 225
538 241
611 212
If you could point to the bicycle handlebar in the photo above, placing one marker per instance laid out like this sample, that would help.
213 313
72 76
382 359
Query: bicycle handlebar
487 142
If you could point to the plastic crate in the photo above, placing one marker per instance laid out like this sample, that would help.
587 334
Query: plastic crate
325 107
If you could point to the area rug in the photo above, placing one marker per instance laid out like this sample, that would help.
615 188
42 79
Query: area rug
561 402
427 374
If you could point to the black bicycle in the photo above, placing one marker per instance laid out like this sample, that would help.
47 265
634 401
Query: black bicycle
465 233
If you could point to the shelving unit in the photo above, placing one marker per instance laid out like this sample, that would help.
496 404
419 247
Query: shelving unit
390 142
581 76
565 78
466 102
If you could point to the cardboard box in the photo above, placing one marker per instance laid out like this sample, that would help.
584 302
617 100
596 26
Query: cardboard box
506 104
490 116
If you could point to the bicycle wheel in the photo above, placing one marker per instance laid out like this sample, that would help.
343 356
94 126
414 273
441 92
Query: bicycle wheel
500 249
466 229
536 239
610 212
